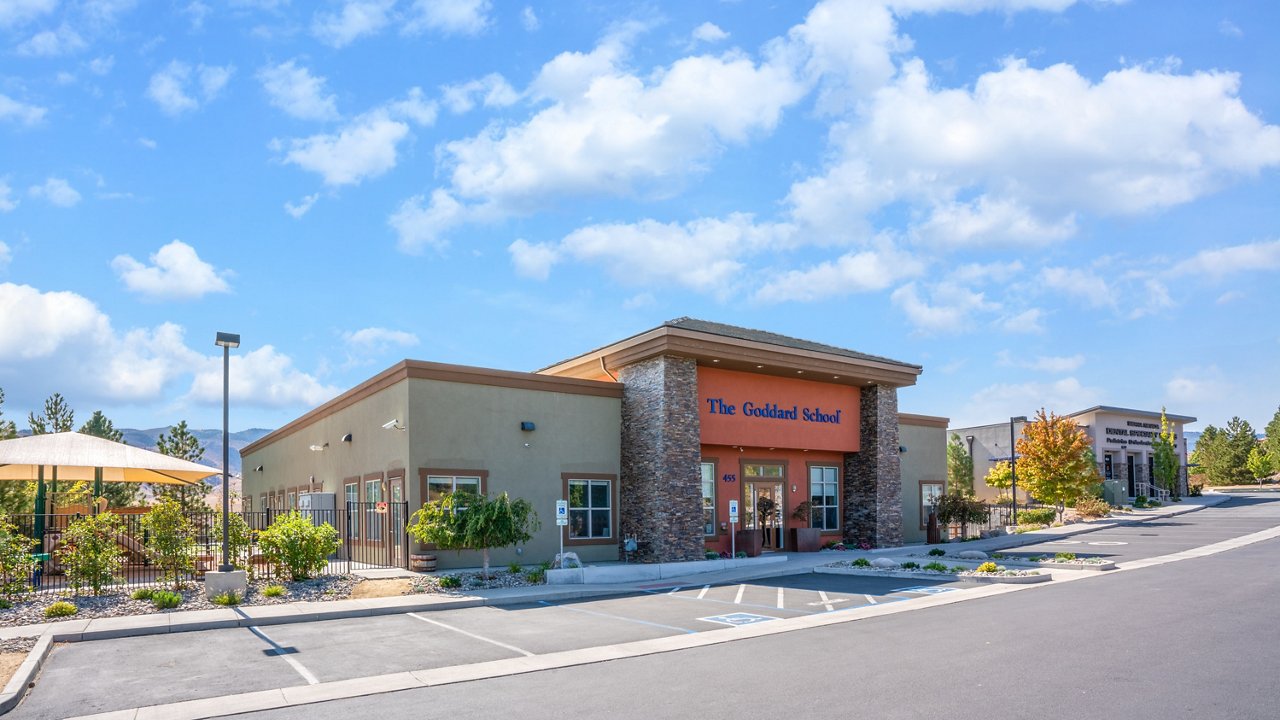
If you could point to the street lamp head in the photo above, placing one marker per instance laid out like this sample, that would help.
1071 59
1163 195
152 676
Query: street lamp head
1018 419
227 340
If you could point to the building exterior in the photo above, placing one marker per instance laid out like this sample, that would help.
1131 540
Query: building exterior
1121 439
649 439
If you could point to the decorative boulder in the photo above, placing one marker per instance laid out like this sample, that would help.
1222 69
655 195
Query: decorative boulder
972 555
567 561
884 563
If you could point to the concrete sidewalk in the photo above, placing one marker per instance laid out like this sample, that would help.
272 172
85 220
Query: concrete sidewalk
794 563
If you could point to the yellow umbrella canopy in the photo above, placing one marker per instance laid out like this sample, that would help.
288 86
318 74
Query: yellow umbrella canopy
79 457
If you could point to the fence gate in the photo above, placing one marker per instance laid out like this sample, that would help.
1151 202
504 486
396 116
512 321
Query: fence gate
374 534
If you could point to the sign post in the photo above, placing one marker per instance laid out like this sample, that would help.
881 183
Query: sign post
733 521
562 520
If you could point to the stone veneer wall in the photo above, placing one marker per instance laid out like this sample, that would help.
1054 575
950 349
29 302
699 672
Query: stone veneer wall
873 475
661 490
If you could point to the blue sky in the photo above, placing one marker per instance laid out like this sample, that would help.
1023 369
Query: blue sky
1044 202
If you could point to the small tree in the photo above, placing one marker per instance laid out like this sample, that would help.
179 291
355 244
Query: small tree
298 546
239 538
1165 457
1055 462
171 539
180 443
1000 477
57 417
959 467
465 521
90 554
964 509
1262 464
16 562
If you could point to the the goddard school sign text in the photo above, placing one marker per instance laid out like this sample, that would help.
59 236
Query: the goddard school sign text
771 411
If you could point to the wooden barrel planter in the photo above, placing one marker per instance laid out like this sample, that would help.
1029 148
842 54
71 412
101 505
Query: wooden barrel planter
422 562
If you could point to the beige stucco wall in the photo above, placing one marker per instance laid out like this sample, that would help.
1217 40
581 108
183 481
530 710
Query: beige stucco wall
924 461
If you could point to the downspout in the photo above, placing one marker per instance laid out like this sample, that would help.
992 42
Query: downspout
605 370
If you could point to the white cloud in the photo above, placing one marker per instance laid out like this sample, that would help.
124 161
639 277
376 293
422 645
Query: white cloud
357 19
988 222
296 91
1230 29
1198 385
529 19
303 206
853 272
1217 263
55 191
102 65
449 17
365 148
709 32
147 143
20 112
1000 272
1055 363
418 226
263 377
16 12
7 202
1083 284
52 43
176 272
1028 321
379 339
1009 399
493 90
949 308
1229 296
532 260
173 88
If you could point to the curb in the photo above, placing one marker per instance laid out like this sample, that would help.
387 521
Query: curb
944 577
24 677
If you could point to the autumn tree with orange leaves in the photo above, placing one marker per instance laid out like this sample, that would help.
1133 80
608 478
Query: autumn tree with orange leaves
1055 460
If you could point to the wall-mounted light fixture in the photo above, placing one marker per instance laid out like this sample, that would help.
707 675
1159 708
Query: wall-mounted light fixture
392 425
902 449
258 469
319 448
527 426
346 438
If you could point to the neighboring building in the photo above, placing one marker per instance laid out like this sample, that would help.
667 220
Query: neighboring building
1121 442
649 438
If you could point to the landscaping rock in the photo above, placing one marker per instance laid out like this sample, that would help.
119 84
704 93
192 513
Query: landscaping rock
568 560
972 555
884 563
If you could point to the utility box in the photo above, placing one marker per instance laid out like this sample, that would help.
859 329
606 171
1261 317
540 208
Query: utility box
317 501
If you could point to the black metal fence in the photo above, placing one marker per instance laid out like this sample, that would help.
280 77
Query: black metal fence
373 535
999 516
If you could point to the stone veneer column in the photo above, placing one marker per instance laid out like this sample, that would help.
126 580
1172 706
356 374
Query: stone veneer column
661 488
873 475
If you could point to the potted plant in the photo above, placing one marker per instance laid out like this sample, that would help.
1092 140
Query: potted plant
805 539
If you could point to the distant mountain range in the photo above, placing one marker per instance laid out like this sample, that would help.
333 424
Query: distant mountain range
211 440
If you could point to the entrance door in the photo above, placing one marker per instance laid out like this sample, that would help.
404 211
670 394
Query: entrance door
762 500
396 522
1107 462
1133 487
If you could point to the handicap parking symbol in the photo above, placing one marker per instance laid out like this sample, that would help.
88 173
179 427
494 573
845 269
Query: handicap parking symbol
925 590
739 618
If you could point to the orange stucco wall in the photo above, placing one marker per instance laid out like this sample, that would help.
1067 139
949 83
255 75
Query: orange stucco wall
729 461
737 408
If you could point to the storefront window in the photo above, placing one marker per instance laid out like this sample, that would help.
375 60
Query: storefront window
708 499
440 485
824 507
930 494
590 509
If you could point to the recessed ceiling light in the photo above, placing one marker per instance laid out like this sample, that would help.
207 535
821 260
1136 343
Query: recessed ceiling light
799 372
715 360
835 377
758 367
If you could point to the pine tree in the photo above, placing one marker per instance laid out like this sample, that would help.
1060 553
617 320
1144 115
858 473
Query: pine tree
180 443
56 418
118 494
959 467
15 497
1271 444
8 430
1165 457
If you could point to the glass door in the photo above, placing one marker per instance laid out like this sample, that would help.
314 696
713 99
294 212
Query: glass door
762 503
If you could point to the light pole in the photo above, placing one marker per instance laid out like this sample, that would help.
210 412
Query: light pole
1013 465
226 341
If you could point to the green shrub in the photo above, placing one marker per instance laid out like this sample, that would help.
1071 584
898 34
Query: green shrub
273 591
1195 490
910 565
5 604
239 539
711 555
1064 556
740 554
449 582
171 539
226 599
62 608
959 569
90 554
165 599
537 576
937 552
1140 501
297 546
1034 516
16 563
1092 507
142 594
1153 503
861 562
987 567
545 565
1034 558
936 566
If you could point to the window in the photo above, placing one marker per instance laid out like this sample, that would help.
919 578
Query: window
824 505
373 519
930 494
754 470
352 493
440 485
293 500
590 509
708 498
248 503
262 502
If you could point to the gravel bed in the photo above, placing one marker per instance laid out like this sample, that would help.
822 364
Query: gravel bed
118 603
473 580
13 645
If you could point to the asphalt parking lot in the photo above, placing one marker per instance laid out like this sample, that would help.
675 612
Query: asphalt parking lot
157 669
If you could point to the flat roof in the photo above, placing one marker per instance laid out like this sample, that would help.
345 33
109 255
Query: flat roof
923 420
738 348
1185 419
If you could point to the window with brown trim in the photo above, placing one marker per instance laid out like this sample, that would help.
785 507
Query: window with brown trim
593 508
824 497
708 498
351 496
930 494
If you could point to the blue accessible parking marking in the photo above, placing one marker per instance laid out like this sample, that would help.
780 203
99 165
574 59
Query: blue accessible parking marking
739 618
924 590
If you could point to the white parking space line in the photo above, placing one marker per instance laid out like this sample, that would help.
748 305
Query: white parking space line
703 593
597 613
822 595
283 653
871 599
674 590
738 599
460 631
780 605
